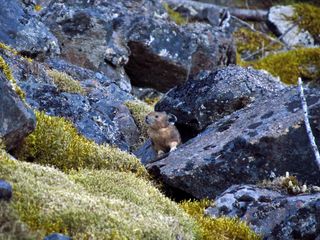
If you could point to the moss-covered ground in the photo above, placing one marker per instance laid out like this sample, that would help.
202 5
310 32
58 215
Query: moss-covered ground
88 191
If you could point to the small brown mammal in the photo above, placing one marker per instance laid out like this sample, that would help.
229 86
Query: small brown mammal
164 135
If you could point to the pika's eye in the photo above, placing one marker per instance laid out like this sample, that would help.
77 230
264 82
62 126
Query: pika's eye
156 116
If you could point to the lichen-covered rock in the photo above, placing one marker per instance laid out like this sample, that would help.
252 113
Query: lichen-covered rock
24 31
16 119
246 147
212 95
270 213
280 19
57 236
5 190
97 109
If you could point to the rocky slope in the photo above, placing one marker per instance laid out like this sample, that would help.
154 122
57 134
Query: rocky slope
71 73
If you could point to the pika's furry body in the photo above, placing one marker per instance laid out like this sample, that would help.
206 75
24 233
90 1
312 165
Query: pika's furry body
164 135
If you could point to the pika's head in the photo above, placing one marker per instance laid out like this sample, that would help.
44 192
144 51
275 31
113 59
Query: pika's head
157 120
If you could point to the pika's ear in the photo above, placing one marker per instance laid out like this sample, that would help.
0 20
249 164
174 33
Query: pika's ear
172 119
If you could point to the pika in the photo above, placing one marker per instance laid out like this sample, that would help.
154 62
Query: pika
164 135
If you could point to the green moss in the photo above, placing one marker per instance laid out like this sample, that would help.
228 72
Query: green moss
11 226
175 16
303 62
217 228
37 7
56 142
64 82
139 111
308 17
7 72
93 204
248 41
8 48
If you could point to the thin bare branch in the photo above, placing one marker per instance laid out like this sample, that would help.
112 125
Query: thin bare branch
307 124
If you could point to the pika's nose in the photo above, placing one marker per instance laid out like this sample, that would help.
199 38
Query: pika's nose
147 120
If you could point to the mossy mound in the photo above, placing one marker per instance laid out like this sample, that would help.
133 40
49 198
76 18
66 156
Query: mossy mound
56 142
217 228
308 18
302 62
92 204
248 42
139 110
64 82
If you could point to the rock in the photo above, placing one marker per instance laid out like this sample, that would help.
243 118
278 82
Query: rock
145 153
168 52
246 147
135 38
210 96
98 113
16 119
5 190
270 213
91 34
146 94
280 23
25 32
57 236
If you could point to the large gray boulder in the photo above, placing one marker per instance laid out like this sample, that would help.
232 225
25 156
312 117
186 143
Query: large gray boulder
211 95
25 32
16 119
270 213
267 137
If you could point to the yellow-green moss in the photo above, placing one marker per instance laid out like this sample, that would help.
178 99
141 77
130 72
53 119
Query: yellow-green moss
11 227
65 82
56 142
139 110
37 7
249 41
217 228
8 48
303 62
92 204
175 16
308 17
7 72
152 101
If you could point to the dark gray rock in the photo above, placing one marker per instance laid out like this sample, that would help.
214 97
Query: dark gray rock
163 54
246 147
25 32
91 33
280 23
138 36
57 236
98 113
145 153
5 190
16 119
270 213
146 94
210 96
